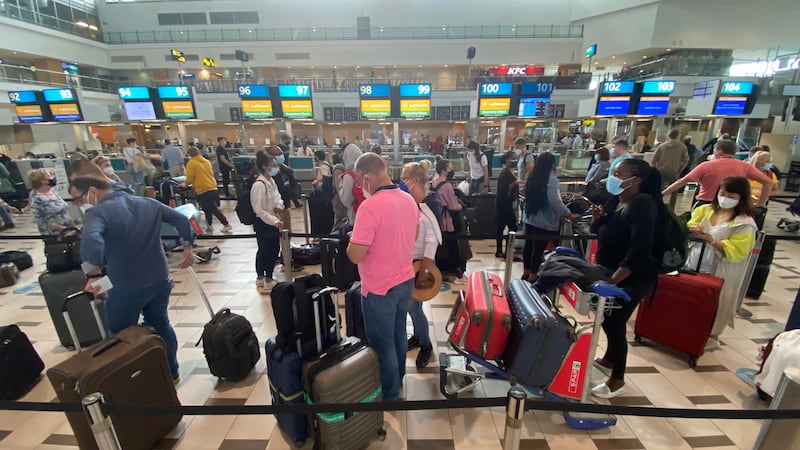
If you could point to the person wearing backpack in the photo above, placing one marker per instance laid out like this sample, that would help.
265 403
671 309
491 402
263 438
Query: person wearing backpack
507 193
452 225
324 177
626 228
268 207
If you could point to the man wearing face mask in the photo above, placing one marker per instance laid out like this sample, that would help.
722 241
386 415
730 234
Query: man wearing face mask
122 237
526 160
711 173
382 244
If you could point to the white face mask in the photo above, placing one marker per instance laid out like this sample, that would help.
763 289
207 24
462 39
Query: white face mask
367 194
518 151
727 202
108 170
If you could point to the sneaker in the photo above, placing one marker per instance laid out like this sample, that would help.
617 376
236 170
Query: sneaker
499 255
413 342
209 229
602 390
711 344
297 267
227 228
269 283
424 355
8 225
460 281
260 281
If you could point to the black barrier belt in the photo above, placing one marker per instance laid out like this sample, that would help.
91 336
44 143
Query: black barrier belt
465 403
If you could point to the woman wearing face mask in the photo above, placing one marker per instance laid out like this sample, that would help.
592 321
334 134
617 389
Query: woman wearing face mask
48 209
543 212
429 237
728 230
762 161
599 170
105 165
626 227
451 217
268 207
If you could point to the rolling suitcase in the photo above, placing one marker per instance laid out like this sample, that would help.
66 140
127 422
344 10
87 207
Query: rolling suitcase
761 270
481 216
20 365
349 372
56 287
540 338
353 314
680 312
482 321
128 368
320 212
337 269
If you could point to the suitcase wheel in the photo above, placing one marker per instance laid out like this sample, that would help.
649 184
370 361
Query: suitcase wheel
692 361
381 434
637 339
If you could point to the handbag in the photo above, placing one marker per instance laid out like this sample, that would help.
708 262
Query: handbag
63 251
143 165
9 274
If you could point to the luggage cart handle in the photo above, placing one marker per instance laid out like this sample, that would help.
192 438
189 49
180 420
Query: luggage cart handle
608 290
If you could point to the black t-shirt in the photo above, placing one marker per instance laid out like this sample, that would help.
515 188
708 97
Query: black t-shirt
626 238
506 195
221 151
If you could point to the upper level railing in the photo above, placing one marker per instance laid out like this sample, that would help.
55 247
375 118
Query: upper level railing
25 14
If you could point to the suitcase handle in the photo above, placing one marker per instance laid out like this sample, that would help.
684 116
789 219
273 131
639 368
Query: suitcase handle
73 334
106 345
202 291
497 290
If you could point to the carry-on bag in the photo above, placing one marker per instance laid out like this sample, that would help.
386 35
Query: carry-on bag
540 336
348 372
128 368
56 287
761 270
285 371
320 213
337 269
780 353
20 364
481 216
353 314
293 309
481 323
229 343
63 250
9 275
680 312
306 254
19 258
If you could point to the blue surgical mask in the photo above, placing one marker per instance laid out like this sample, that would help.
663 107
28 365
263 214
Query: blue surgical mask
766 166
596 159
280 159
614 185
273 171
53 182
403 186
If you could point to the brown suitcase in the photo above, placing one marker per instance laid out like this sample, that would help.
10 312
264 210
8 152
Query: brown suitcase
128 368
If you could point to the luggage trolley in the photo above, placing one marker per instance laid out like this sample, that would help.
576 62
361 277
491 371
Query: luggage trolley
458 373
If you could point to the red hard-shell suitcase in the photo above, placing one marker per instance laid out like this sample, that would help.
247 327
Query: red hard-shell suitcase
680 312
482 322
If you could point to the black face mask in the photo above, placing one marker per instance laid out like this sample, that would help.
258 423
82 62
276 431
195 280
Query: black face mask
451 174
53 182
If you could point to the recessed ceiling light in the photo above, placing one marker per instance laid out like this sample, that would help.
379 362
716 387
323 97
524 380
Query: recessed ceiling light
613 57
644 57
445 65
420 66
669 49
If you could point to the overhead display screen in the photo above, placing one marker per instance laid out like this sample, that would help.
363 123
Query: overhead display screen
294 91
417 108
253 91
178 110
736 88
617 87
139 110
658 87
374 90
58 95
257 109
65 112
18 97
495 89
376 108
494 106
415 90
730 106
533 106
29 113
536 89
297 109
613 105
134 93
653 105
174 92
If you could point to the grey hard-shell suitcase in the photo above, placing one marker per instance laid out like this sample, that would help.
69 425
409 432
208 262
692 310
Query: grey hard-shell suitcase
56 287
349 372
540 336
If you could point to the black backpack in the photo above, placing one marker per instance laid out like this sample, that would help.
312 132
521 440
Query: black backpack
230 346
244 209
675 242
432 200
293 308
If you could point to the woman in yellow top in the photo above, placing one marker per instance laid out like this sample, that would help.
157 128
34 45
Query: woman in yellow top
728 229
762 161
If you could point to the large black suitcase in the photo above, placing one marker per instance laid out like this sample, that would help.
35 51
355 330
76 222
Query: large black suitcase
540 337
20 365
481 215
353 314
761 270
337 269
56 287
320 212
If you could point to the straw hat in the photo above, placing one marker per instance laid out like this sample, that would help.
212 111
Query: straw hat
432 286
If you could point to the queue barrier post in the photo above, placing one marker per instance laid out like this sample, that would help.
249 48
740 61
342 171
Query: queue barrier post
100 423
509 257
286 251
782 433
515 413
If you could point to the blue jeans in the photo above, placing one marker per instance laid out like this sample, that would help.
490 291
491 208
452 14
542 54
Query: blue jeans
475 186
420 322
137 180
385 323
5 216
123 308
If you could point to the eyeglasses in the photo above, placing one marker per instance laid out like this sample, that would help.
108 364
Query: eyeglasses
81 198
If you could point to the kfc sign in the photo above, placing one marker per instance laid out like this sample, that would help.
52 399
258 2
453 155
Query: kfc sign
516 71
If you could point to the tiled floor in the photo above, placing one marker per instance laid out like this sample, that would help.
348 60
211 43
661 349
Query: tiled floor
655 377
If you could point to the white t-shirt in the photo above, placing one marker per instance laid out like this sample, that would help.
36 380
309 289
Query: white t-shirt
129 153
476 167
429 236
522 165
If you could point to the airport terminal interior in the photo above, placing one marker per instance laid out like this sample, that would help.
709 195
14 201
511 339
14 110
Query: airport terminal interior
416 79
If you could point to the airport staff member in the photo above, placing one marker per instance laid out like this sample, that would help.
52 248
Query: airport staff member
382 244
122 236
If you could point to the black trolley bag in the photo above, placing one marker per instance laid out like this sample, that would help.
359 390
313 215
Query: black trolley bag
56 287
540 336
20 364
337 269
229 343
128 368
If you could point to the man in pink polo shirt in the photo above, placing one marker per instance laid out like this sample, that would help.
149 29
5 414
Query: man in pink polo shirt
711 173
382 244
